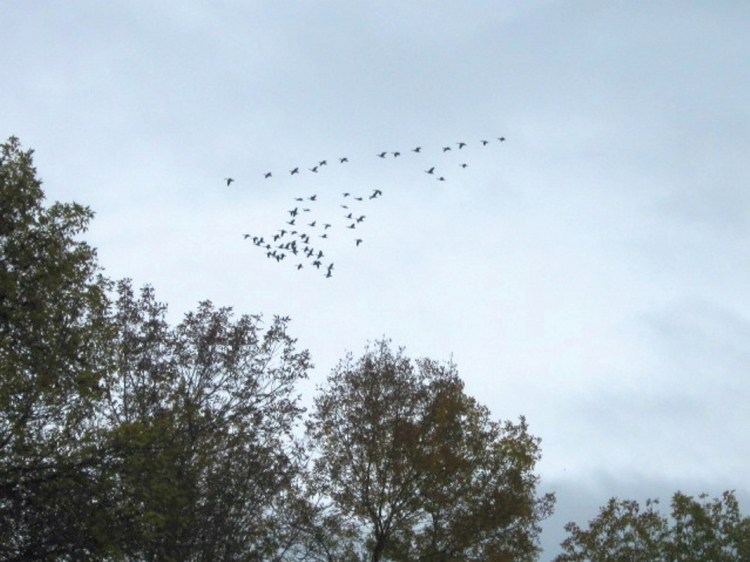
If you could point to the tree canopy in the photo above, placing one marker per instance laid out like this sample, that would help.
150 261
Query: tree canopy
696 530
419 469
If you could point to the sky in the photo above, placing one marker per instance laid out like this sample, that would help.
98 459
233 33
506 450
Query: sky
590 273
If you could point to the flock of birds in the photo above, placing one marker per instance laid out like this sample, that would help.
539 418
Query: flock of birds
301 239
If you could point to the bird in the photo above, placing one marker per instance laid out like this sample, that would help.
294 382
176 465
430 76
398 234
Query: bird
461 145
446 148
317 263
299 198
347 194
343 159
396 154
382 154
291 222
360 219
267 175
441 178
314 169
306 210
320 254
323 163
375 193
324 235
464 165
294 171
349 216
431 170
358 198
485 142
418 149
343 206
299 266
501 139
358 241
312 224
326 226
229 181
313 197
329 273
293 212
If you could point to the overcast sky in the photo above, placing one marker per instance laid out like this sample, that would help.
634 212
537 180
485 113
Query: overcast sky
590 273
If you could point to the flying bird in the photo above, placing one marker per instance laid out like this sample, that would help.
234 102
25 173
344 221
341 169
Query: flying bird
358 241
294 171
382 154
485 142
344 159
501 139
229 181
352 226
461 145
347 194
376 193
431 170
313 197
396 154
293 212
323 163
326 226
267 175
464 165
314 169
360 219
446 148
441 178
418 149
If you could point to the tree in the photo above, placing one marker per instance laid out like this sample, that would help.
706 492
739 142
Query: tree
698 530
53 330
419 468
202 417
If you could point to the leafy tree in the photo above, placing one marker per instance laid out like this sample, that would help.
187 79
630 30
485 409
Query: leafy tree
419 468
698 530
203 416
53 330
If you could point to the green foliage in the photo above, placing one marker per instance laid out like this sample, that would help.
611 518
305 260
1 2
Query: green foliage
53 333
419 467
698 530
202 417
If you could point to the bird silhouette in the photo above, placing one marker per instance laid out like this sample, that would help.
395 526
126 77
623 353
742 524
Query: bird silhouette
314 169
349 216
375 193
299 198
267 175
344 159
418 149
299 266
313 197
294 171
352 226
229 181
291 222
324 235
446 148
346 194
485 142
360 219
359 199
329 273
358 241
323 163
464 165
293 212
312 224
326 226
382 154
501 139
441 178
461 145
396 154
431 170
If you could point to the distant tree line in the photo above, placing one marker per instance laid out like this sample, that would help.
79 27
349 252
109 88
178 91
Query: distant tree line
125 438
